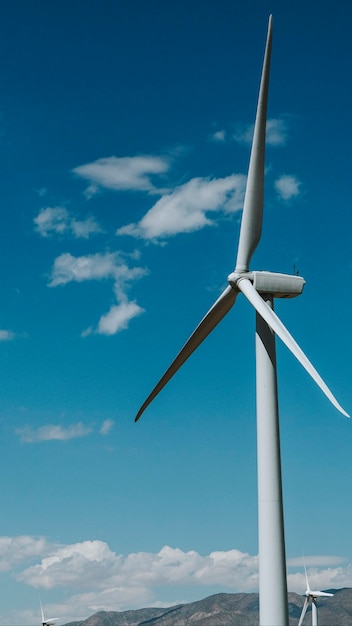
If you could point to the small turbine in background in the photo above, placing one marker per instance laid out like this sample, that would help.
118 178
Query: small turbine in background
47 622
311 598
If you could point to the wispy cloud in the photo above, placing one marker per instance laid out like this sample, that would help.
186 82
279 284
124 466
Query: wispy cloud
52 432
68 268
57 221
316 561
101 579
51 220
118 318
123 173
287 187
276 133
85 228
6 335
219 135
110 265
21 549
106 426
188 206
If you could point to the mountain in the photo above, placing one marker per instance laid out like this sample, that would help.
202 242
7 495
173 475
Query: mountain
226 609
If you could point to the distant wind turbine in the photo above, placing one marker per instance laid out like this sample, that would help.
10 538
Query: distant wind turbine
311 598
260 289
47 622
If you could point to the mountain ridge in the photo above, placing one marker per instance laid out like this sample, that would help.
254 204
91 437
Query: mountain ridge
226 609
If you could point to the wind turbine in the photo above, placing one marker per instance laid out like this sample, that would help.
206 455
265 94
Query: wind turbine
47 622
260 289
311 598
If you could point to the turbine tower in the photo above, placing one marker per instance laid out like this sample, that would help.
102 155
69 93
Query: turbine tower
311 598
260 289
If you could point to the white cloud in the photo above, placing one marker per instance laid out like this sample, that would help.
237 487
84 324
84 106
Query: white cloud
92 565
68 268
187 207
85 228
91 191
110 265
287 187
231 569
123 173
219 135
51 220
97 578
276 133
106 426
51 432
244 134
81 565
315 561
6 335
17 550
329 578
57 220
118 317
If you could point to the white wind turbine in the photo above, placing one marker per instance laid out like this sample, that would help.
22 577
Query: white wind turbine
47 622
260 288
311 598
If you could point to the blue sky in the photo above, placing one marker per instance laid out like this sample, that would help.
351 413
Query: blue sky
125 137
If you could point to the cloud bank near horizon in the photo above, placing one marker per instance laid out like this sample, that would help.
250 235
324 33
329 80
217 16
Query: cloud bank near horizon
93 577
58 432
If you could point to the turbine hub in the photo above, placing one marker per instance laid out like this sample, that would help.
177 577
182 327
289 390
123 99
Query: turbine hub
235 277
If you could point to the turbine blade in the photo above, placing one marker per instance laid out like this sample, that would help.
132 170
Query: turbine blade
219 309
41 608
252 217
277 326
304 610
307 581
322 594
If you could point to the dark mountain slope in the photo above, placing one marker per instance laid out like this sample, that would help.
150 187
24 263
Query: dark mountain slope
226 609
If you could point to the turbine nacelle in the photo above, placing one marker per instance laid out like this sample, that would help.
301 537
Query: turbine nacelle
275 284
318 594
